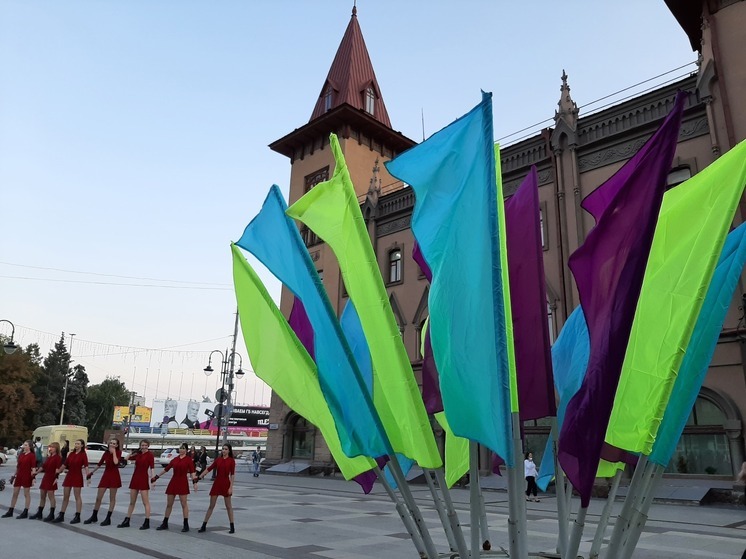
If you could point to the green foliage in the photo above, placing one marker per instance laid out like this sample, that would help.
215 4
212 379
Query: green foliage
18 372
100 402
77 390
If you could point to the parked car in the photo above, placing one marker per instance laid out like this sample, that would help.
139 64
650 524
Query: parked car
167 455
96 450
3 458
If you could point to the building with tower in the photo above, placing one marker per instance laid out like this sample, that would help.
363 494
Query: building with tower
573 157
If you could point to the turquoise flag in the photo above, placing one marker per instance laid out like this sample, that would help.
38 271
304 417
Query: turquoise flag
456 225
702 346
274 239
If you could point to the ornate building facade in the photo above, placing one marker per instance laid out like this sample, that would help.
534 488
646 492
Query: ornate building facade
573 157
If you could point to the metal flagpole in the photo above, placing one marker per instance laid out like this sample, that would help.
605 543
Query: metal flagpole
577 533
452 516
484 528
640 515
559 490
474 500
604 520
622 521
516 501
403 514
441 511
414 510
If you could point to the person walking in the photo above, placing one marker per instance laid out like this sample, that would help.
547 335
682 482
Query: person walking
65 450
256 459
75 463
182 466
48 482
225 465
200 462
111 480
23 479
529 470
140 483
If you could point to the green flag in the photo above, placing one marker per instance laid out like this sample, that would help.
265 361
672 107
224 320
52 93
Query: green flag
279 359
331 210
457 452
692 226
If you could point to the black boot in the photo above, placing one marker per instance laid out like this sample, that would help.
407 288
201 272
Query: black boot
203 528
125 523
24 514
60 518
39 514
93 518
145 524
164 525
233 529
8 514
76 519
186 525
50 516
107 520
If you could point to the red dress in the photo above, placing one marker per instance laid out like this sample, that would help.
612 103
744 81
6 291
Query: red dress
26 462
140 479
74 463
111 477
49 481
226 467
179 484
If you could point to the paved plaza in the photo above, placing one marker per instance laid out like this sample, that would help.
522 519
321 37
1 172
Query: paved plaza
317 517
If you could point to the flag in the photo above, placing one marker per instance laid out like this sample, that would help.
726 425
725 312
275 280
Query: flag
455 223
528 295
331 210
300 324
456 451
692 227
279 359
274 239
701 347
608 270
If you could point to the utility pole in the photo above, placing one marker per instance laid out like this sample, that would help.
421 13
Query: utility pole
67 378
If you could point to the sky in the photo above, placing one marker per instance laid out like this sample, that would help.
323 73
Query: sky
133 143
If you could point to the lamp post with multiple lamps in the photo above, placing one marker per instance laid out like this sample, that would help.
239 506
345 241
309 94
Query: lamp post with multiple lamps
226 373
10 347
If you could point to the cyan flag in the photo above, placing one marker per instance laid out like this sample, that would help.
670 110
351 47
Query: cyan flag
455 224
274 239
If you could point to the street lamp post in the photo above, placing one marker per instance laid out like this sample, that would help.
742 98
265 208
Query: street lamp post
10 347
226 373
67 378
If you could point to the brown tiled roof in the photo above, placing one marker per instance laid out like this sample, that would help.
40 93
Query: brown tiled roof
350 75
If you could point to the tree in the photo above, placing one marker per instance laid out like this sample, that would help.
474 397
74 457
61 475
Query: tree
100 402
77 389
50 384
18 373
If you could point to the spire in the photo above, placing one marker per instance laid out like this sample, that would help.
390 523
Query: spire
351 78
568 110
374 190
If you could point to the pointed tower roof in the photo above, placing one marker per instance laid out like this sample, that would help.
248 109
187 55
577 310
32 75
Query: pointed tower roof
351 78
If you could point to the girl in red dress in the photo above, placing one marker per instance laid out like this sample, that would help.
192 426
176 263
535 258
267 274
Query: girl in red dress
75 463
225 466
23 478
182 465
111 480
140 483
48 482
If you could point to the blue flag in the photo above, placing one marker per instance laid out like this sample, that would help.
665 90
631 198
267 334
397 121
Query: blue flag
455 224
274 239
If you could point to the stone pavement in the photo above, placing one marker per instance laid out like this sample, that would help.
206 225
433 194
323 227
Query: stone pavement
298 517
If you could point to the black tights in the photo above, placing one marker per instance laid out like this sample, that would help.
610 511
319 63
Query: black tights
532 487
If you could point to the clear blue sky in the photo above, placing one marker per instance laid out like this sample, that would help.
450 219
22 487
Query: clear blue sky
133 141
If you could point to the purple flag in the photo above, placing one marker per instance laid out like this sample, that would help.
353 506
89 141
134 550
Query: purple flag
300 324
430 379
528 298
608 270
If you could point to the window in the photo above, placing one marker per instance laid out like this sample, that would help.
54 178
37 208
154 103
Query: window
395 265
315 178
370 101
321 275
302 439
543 225
328 98
678 175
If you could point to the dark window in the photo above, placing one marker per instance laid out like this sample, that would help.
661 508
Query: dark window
395 265
315 178
302 439
328 98
370 101
678 175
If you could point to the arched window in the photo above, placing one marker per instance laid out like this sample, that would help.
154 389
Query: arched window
302 439
703 447
395 265
370 101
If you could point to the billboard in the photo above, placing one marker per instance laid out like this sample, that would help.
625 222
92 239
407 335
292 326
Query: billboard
182 414
141 417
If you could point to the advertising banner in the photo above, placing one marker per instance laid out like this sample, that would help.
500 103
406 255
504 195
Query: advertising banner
141 417
181 414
